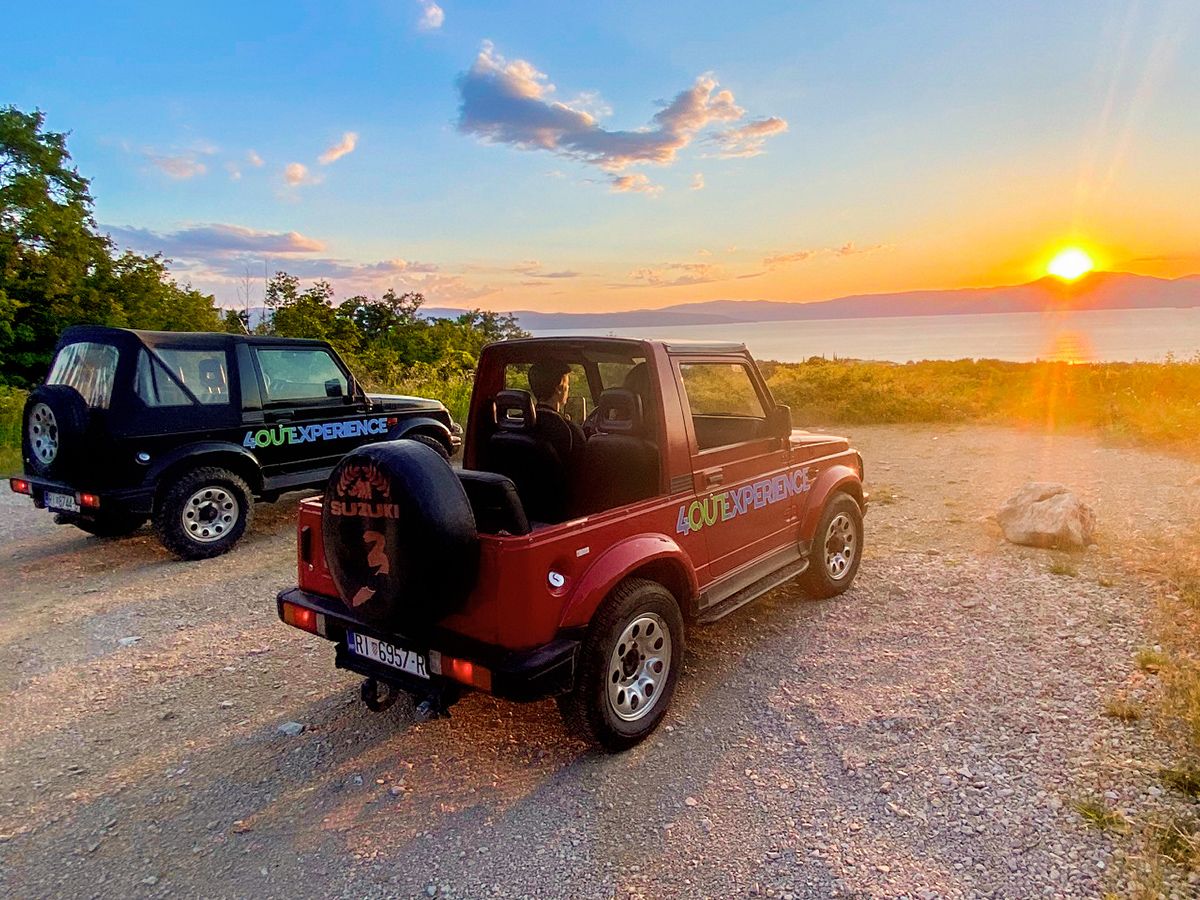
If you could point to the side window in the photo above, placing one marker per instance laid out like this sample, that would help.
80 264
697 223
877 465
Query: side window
203 371
724 405
155 385
89 368
301 374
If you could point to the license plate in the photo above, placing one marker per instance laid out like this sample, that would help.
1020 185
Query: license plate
409 661
62 502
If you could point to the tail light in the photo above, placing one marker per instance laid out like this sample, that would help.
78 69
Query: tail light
461 670
21 486
91 501
303 618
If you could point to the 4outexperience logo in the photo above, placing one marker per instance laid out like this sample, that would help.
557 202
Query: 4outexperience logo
738 501
287 435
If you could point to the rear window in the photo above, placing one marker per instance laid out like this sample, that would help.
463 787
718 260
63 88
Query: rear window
88 367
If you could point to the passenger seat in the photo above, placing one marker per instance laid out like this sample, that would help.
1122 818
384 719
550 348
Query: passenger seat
518 451
619 464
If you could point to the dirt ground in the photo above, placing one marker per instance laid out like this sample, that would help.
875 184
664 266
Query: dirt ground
925 735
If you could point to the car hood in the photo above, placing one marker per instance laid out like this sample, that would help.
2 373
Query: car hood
391 402
809 444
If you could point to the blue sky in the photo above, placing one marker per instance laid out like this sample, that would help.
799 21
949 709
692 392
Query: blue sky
816 149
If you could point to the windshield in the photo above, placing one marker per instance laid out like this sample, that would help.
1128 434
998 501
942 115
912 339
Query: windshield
89 368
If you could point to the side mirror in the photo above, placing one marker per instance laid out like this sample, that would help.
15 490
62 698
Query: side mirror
779 420
333 388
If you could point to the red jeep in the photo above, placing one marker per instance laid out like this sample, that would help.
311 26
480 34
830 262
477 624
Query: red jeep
564 559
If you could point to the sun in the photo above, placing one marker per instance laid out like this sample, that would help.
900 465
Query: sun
1070 264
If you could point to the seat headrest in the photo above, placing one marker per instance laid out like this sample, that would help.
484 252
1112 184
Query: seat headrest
514 411
619 411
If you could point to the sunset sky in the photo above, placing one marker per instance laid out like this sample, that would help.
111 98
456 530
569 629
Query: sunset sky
603 156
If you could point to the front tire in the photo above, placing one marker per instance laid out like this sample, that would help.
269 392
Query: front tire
203 513
836 549
628 667
432 443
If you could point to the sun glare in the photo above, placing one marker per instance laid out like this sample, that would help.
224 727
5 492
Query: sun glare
1070 264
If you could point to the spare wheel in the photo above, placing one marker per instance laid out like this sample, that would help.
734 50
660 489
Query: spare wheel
53 429
400 537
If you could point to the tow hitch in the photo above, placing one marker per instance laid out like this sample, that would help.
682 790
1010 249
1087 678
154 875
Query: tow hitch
379 696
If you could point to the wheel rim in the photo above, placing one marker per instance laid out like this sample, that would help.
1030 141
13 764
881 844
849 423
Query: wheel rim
639 666
841 546
43 433
210 514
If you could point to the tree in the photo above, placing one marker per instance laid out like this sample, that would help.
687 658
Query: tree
56 269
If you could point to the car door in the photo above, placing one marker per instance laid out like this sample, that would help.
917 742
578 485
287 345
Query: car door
310 417
743 501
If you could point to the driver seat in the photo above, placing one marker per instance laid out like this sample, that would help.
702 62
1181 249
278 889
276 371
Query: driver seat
619 464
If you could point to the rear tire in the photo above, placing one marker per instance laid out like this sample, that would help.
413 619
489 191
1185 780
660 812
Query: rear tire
628 667
203 513
837 548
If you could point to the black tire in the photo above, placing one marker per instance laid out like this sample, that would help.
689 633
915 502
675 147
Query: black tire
210 496
400 537
826 576
589 709
53 429
432 443
110 525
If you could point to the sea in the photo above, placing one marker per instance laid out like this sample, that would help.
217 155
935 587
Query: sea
1129 335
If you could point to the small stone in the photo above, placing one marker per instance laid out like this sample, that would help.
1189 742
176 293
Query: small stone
431 890
691 801
226 704
150 880
291 729
129 641
358 780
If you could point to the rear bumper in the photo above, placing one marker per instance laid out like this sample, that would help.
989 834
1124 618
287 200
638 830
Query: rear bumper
521 675
130 500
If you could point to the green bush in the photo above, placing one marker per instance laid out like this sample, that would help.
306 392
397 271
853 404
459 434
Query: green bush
12 402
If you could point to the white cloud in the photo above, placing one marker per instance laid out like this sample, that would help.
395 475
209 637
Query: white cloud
698 182
847 249
342 148
180 167
636 183
213 241
432 16
297 174
235 173
254 159
677 274
748 139
511 102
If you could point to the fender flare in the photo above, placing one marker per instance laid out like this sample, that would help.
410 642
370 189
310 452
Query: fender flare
241 458
838 478
620 561
425 424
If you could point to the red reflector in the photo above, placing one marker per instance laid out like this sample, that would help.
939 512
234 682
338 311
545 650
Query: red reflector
467 672
89 500
21 486
299 617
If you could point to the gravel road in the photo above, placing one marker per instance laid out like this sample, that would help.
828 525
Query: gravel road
925 735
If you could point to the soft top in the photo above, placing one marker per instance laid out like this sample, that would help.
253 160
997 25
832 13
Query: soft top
199 339
617 343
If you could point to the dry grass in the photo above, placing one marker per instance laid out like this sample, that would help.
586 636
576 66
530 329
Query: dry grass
1123 710
1096 814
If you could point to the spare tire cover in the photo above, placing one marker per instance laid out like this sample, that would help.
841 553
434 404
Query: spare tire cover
54 430
400 537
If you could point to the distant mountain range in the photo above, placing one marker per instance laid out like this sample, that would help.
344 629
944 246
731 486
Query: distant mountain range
1098 290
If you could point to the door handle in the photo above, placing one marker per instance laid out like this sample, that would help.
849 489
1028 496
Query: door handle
712 479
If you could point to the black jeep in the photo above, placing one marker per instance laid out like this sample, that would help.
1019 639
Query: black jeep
188 428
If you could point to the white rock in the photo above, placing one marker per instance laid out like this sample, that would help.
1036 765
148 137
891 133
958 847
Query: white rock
1046 514
291 729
